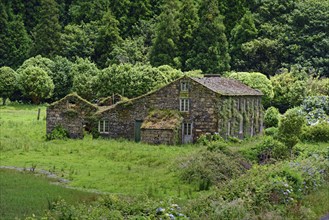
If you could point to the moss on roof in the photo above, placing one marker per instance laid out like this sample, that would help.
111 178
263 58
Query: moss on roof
162 120
73 96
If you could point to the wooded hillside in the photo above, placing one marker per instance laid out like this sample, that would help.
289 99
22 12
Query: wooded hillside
211 35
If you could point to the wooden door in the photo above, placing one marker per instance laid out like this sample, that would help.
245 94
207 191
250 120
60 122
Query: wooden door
138 124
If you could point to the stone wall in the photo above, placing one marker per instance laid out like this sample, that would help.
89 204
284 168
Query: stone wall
71 113
239 116
159 136
122 116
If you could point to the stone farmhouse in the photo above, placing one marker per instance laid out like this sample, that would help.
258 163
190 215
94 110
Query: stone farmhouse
177 113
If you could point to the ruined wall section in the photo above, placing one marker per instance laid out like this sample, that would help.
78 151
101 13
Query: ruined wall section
71 113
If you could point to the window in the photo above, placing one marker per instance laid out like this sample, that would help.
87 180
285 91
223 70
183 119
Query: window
103 126
184 105
184 86
187 129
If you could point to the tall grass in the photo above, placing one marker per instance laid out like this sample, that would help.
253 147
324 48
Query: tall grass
113 166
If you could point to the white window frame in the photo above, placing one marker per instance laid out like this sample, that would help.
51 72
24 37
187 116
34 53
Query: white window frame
103 126
184 104
184 86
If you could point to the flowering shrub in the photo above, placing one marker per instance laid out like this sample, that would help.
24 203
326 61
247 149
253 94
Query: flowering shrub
316 109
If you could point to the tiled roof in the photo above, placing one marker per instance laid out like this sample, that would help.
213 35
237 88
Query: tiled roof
225 86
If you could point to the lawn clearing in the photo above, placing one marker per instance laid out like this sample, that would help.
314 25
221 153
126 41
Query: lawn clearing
24 194
112 166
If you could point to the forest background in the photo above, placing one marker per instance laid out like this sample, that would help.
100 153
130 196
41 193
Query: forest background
49 48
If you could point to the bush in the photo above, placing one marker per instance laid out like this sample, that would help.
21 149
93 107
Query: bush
316 109
271 117
316 133
207 168
269 150
290 127
272 131
59 133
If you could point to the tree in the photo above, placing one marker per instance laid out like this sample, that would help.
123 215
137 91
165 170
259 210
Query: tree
35 83
189 20
271 117
46 33
78 40
14 40
210 47
165 48
243 32
290 128
131 50
256 81
62 77
38 61
84 72
8 83
108 37
289 89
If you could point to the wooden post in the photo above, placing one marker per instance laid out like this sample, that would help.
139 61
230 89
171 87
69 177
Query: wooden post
38 114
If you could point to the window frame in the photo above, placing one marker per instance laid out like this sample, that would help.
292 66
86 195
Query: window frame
187 128
184 104
184 86
103 126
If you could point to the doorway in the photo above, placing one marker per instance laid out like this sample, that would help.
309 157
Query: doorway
187 136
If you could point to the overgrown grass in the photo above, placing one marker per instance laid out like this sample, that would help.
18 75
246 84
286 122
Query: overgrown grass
24 194
112 166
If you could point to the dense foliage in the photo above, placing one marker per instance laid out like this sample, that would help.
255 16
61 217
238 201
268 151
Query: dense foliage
260 36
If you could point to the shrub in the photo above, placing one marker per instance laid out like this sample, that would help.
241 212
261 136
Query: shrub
290 127
268 150
58 133
316 109
271 117
316 133
207 168
272 131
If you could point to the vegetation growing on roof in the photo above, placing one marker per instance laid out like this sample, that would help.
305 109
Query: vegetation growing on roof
162 119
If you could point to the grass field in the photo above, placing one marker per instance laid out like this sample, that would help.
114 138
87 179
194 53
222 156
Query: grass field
112 166
24 194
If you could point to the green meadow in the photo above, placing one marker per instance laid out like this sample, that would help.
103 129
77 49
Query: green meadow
111 166
119 168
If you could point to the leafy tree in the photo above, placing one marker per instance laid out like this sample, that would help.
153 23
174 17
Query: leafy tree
8 83
262 55
38 61
84 72
189 19
289 89
78 40
244 31
131 50
35 83
271 117
88 10
232 10
108 37
165 48
62 77
256 81
210 47
46 33
14 40
133 80
290 127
